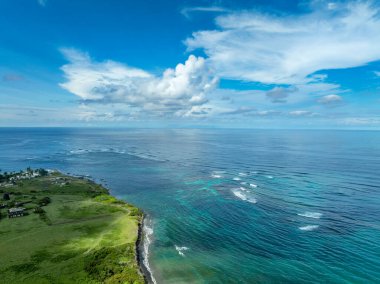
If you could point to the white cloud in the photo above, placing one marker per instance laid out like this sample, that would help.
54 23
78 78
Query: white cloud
216 9
181 91
267 48
330 100
280 94
377 73
301 113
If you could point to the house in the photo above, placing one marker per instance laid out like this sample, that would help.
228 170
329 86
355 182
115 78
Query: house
16 212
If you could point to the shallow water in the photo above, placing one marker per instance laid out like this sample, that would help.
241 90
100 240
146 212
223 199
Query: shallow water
232 206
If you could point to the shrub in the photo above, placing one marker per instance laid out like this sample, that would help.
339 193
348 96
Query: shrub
39 210
104 265
23 268
44 201
133 211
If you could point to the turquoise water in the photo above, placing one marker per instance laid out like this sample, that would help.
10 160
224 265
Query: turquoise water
232 206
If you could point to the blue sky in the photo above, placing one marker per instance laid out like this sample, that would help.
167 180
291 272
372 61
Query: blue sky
152 63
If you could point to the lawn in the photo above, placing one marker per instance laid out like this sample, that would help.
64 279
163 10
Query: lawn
83 235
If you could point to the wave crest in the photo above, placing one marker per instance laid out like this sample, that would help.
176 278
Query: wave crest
181 250
240 193
308 227
314 215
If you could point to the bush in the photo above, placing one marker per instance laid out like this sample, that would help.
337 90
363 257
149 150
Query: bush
23 268
44 201
39 210
133 211
42 172
104 265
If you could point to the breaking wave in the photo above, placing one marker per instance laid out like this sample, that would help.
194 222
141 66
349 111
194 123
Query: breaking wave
314 215
148 233
241 193
181 250
309 227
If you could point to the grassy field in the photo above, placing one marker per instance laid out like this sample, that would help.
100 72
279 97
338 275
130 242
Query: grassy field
83 235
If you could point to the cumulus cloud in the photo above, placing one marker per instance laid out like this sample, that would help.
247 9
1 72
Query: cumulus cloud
280 94
267 48
181 91
330 100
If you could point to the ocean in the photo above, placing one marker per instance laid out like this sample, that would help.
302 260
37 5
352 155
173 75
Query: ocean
231 206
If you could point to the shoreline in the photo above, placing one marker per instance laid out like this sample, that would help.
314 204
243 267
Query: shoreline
140 253
124 220
139 247
139 244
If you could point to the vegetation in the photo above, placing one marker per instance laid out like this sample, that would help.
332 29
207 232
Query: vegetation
74 233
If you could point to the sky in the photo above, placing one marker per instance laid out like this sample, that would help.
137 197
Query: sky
279 64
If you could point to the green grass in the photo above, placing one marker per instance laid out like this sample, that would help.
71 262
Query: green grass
84 235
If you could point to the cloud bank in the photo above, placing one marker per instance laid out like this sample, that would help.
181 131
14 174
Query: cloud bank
254 46
181 91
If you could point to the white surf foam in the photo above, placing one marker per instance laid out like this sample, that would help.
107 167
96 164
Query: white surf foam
242 174
79 151
253 185
214 175
102 150
314 215
308 228
243 183
236 178
239 192
181 250
148 233
270 177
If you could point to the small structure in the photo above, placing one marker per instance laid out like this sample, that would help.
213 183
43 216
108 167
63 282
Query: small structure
16 212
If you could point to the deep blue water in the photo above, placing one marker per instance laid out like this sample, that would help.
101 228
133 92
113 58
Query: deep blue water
232 206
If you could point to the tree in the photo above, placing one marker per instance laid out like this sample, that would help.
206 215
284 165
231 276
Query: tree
44 201
6 196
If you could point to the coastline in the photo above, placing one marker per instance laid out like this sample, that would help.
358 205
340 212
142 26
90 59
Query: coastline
145 272
140 241
139 244
87 205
